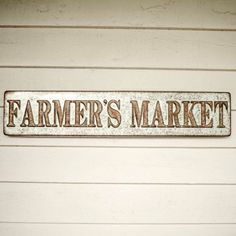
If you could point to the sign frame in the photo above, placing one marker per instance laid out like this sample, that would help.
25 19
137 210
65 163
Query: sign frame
117 135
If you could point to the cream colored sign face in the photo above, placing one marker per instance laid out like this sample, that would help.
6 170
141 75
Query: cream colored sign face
82 113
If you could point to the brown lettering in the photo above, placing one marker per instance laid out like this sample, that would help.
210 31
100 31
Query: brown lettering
28 116
188 114
113 113
95 114
43 114
12 112
139 115
173 115
60 115
205 114
79 113
158 116
221 105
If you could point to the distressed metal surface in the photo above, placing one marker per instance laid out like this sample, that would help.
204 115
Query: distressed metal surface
120 113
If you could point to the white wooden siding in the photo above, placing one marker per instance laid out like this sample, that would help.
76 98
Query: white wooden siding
118 48
116 230
93 203
193 14
118 165
113 186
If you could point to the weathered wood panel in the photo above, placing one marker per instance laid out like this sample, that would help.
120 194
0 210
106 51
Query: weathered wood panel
158 13
118 48
118 165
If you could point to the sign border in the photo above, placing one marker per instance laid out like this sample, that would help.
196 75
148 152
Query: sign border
118 135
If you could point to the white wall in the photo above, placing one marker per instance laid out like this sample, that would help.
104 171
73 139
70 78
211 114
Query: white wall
118 186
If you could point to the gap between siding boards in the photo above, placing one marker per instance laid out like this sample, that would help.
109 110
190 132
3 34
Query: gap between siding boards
103 223
116 183
115 27
114 68
124 147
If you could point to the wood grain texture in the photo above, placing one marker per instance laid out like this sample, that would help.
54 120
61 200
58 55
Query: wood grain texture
212 142
116 230
118 48
118 165
117 203
105 79
151 13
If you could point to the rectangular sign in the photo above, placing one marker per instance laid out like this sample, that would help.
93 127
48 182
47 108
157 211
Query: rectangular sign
123 113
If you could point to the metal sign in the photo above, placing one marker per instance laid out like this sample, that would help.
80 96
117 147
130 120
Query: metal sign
123 113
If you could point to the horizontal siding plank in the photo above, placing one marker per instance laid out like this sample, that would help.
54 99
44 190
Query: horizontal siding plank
218 142
117 203
116 230
105 79
160 13
118 165
119 48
